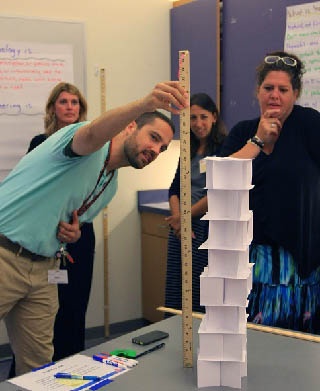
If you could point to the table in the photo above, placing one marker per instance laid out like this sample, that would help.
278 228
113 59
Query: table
274 363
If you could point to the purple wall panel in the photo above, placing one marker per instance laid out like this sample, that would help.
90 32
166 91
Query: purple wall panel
250 29
193 28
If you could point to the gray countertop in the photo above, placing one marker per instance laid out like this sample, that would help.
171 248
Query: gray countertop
274 363
154 201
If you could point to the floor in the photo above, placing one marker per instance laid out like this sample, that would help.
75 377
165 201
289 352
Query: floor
116 330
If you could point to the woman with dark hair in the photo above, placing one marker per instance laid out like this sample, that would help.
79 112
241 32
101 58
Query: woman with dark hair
206 136
284 145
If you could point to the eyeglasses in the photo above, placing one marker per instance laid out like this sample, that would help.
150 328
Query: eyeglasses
291 62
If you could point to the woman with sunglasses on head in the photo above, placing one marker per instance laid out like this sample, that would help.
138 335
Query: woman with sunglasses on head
206 137
284 145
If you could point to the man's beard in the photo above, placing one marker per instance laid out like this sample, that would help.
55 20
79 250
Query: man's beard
131 153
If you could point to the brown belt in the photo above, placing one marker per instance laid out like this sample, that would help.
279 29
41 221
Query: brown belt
19 250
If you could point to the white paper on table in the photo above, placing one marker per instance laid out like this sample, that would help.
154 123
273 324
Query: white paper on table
44 380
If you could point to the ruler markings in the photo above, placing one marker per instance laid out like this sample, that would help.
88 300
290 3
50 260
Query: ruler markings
185 212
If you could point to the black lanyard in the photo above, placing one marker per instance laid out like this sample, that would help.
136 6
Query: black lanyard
86 203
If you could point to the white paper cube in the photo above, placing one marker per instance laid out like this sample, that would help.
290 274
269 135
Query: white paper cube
231 374
208 373
224 291
227 204
236 291
228 263
221 347
228 173
230 234
211 290
210 346
215 373
225 319
234 347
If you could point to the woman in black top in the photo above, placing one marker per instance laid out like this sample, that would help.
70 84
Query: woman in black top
284 145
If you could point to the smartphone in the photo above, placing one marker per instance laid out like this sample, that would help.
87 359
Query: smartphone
152 336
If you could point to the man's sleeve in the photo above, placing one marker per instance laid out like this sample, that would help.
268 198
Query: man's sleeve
68 150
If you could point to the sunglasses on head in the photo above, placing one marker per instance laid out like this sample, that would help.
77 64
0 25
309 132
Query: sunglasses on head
291 62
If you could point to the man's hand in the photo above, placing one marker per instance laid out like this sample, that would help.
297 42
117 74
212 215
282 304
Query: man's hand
169 96
69 232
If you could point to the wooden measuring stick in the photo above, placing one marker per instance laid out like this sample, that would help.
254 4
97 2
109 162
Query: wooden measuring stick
103 98
256 327
103 107
185 213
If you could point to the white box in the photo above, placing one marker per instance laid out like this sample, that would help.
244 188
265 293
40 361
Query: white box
230 374
222 347
210 346
228 263
217 291
215 373
211 290
230 234
225 319
228 173
208 373
227 204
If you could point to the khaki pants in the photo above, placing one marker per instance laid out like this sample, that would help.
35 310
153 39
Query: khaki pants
28 304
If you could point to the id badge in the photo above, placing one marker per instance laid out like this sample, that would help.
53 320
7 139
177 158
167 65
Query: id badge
202 166
57 276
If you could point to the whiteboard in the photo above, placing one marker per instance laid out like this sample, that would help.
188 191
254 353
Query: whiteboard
17 130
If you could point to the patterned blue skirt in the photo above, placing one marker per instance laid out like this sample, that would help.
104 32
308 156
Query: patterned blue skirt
279 297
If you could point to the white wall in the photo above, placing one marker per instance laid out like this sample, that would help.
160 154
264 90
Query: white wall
131 40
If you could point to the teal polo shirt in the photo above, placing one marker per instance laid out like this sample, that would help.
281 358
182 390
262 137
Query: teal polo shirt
45 188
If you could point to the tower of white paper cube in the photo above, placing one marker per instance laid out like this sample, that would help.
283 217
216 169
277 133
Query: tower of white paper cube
227 280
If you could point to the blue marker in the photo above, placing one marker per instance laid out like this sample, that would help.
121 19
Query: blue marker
63 375
109 361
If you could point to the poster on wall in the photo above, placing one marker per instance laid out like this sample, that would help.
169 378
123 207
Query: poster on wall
28 72
303 38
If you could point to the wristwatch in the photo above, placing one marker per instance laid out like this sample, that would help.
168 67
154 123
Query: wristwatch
257 141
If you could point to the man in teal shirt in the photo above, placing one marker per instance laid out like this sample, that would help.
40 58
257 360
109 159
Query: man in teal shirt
67 180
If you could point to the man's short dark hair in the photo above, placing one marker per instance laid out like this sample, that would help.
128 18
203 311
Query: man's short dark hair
149 117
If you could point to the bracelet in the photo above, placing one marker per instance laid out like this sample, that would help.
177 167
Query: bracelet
257 141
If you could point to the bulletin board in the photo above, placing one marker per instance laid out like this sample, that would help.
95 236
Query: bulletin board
17 125
250 29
